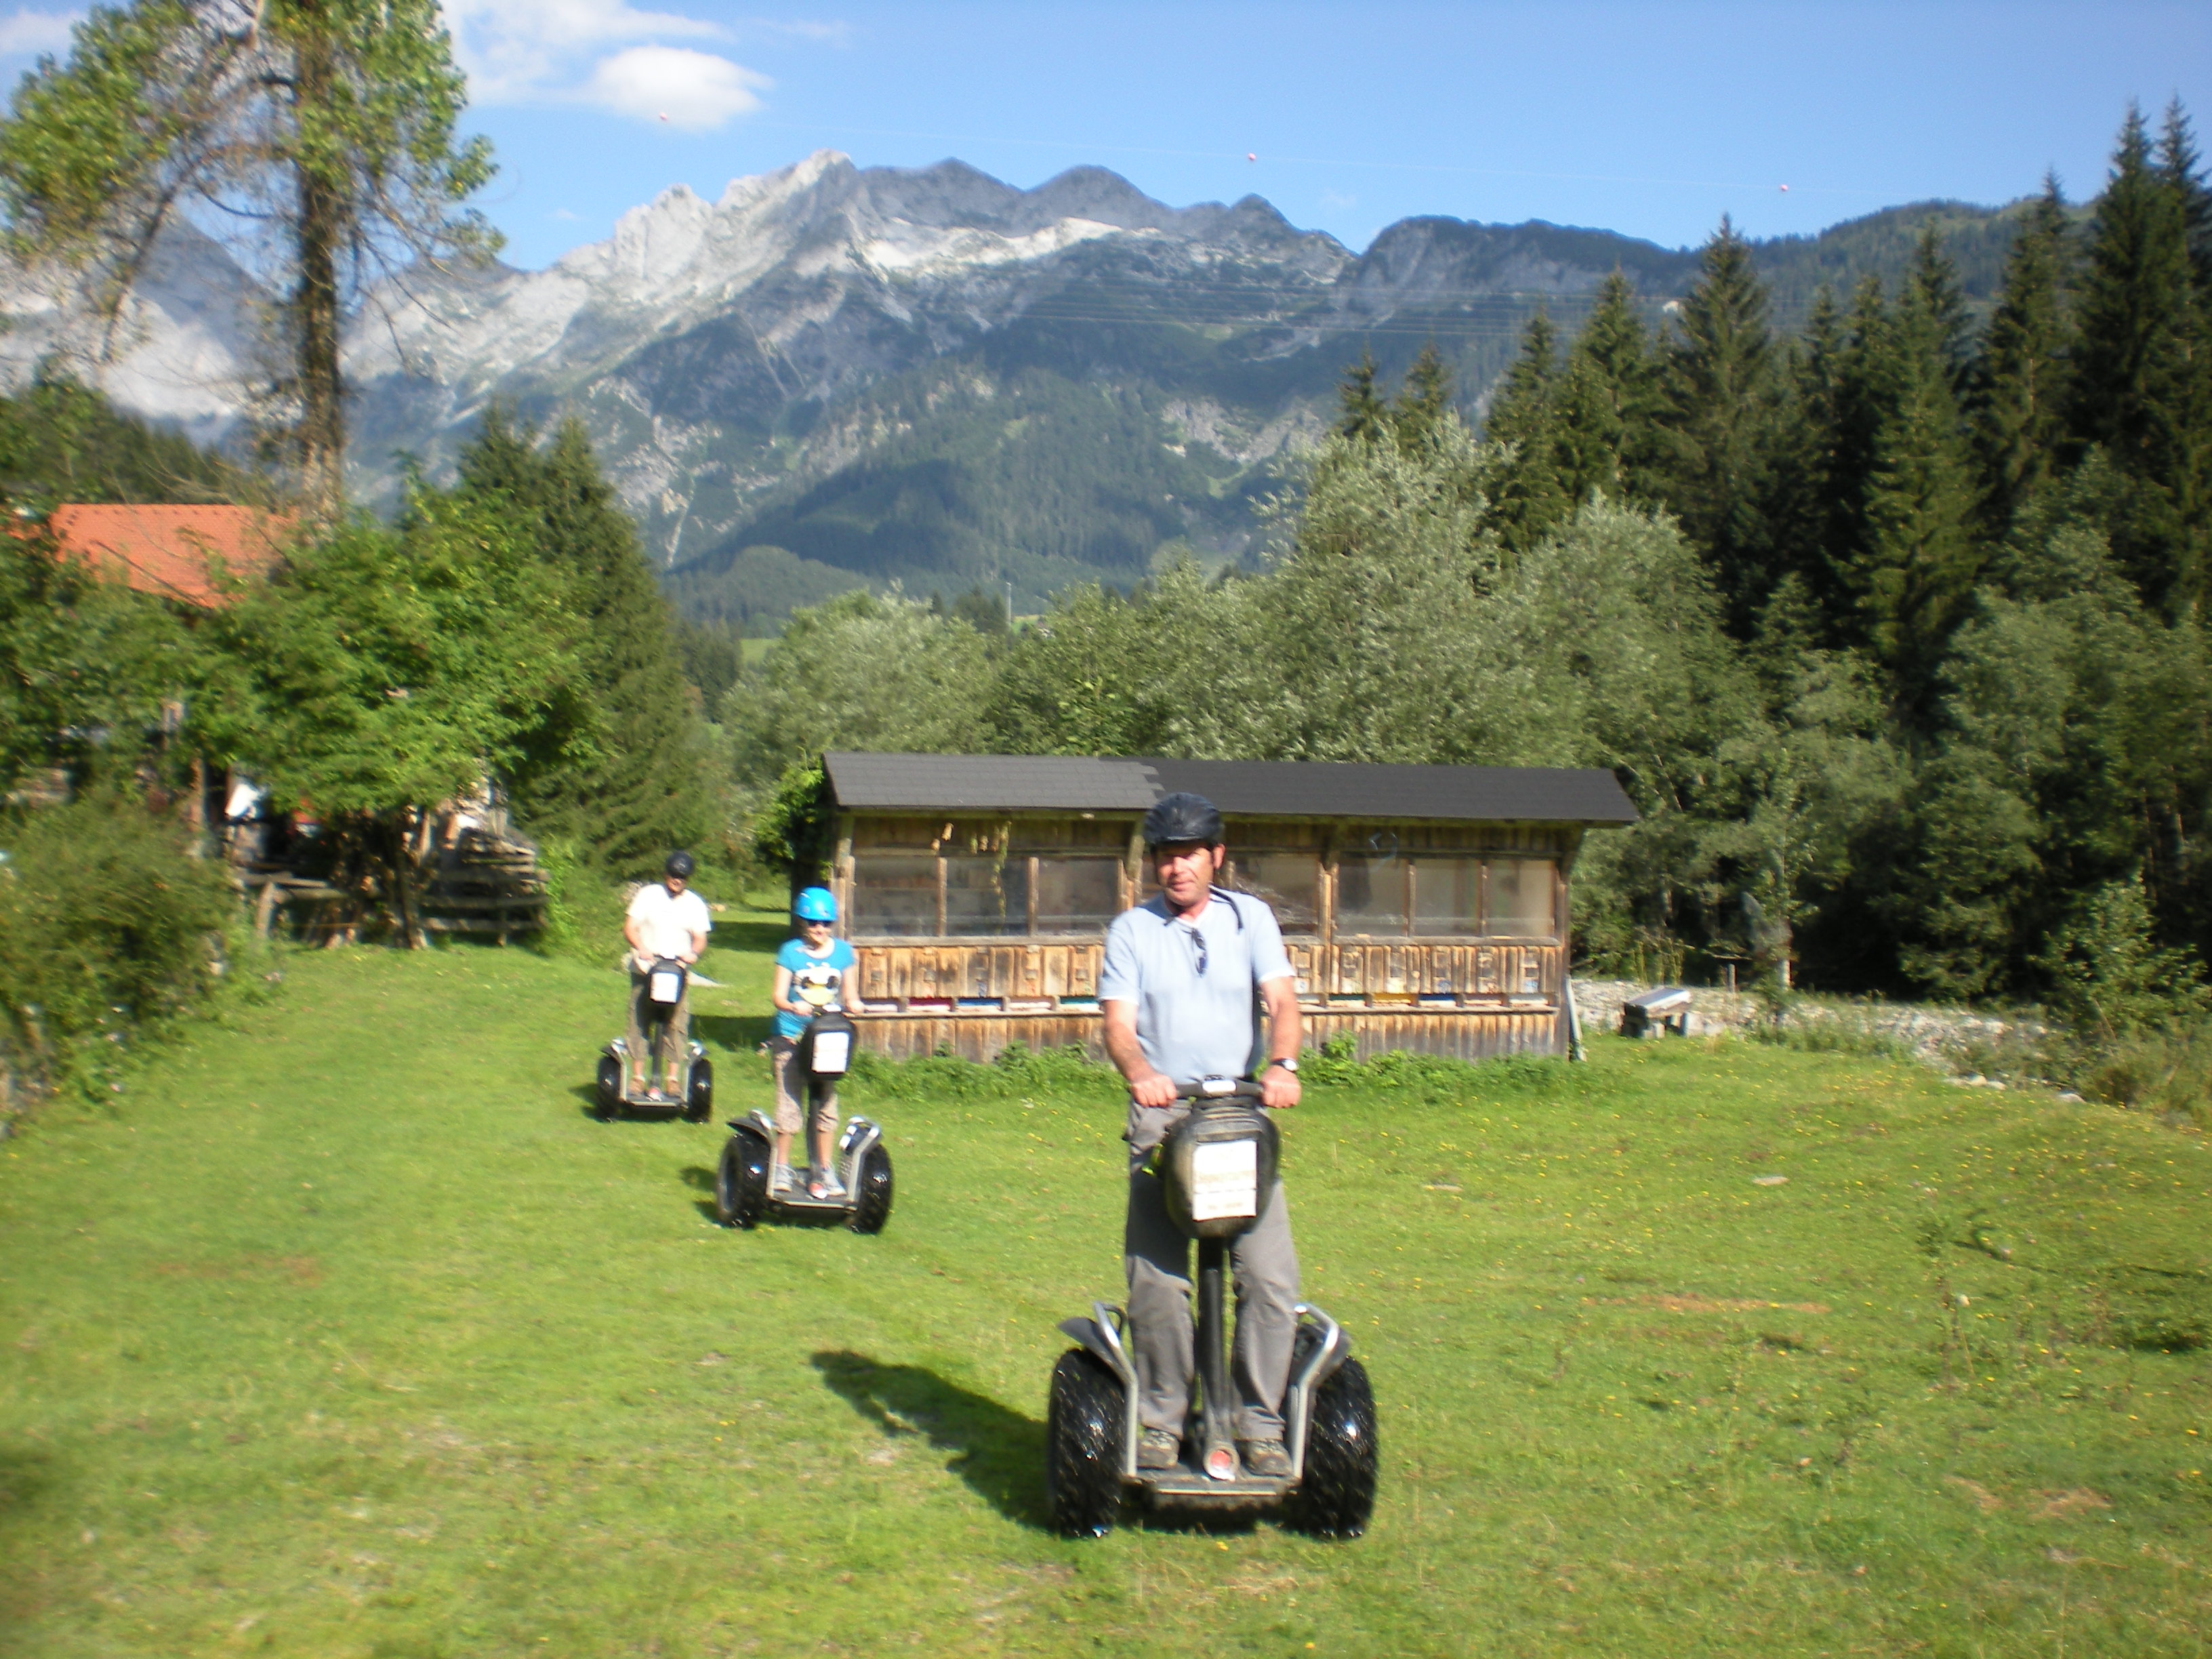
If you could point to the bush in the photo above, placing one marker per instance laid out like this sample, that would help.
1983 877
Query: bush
2167 1072
107 930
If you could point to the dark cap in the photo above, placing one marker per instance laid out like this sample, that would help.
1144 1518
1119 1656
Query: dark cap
679 865
1182 817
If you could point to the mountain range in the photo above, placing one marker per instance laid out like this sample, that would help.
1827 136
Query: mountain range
832 376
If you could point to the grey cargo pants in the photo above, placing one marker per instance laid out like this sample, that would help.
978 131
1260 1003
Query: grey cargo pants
1264 1267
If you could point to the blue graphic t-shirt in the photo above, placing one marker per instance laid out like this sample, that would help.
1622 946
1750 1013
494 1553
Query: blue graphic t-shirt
818 980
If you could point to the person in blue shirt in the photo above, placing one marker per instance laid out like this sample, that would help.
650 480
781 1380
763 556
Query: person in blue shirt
1184 979
809 976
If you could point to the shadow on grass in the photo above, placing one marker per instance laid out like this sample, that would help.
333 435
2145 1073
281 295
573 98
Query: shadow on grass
739 1034
999 1453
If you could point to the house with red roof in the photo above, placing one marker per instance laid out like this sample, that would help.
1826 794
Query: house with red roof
170 550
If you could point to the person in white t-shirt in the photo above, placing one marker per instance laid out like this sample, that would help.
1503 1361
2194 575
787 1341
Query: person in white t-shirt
667 920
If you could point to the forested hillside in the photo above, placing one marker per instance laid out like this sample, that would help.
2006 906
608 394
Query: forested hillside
1124 418
1893 626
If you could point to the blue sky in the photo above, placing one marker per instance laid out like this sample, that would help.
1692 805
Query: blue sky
1653 119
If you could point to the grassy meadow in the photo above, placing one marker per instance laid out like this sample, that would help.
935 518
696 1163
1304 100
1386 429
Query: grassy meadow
345 1330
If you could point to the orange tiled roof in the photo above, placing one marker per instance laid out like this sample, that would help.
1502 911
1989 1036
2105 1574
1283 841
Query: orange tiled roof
164 549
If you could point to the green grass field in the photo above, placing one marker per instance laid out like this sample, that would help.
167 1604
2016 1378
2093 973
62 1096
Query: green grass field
346 1331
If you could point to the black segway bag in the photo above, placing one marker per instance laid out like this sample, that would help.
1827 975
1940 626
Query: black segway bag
825 1047
664 985
1218 1169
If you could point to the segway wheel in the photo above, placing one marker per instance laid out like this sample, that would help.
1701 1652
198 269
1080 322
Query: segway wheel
610 1089
1337 1495
871 1192
699 1096
1083 1426
741 1182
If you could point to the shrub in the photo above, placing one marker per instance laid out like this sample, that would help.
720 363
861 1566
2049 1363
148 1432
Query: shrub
107 929
2167 1072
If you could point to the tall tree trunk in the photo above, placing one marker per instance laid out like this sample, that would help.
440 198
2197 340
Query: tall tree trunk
316 306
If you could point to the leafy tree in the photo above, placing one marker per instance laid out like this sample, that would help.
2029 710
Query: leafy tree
86 664
2110 978
382 672
644 788
1101 674
317 133
860 673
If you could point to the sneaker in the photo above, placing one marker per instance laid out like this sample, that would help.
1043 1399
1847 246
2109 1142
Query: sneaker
1160 1449
779 1181
824 1183
1265 1458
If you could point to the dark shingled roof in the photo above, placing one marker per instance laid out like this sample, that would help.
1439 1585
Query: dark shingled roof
968 783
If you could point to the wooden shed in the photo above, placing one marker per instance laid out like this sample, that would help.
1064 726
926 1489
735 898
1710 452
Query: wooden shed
1425 907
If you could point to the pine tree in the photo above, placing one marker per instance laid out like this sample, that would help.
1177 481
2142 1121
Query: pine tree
1916 572
646 792
1932 292
2142 386
1806 520
1363 413
1422 400
2019 382
1721 387
1609 404
2179 163
1530 496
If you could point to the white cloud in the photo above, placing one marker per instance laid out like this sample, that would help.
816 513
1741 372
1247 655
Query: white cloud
35 31
1334 199
693 90
822 34
519 51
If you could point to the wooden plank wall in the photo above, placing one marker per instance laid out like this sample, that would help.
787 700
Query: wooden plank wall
1460 1033
1506 991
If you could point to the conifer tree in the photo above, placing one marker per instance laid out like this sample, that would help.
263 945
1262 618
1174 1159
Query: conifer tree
1915 577
645 791
2019 388
1362 412
1804 514
2178 161
1608 403
2143 384
1932 293
1422 400
1530 498
1720 386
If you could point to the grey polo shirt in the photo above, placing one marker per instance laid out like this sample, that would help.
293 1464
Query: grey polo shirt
1194 1024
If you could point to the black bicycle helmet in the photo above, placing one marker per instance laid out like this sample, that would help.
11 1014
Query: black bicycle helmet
1182 817
680 865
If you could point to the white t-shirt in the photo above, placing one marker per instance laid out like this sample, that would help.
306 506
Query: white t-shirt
667 919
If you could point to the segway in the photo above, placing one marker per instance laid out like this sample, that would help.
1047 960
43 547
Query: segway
693 1098
1217 1172
742 1195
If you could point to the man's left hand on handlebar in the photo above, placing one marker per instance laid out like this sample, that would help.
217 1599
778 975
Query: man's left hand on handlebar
1278 1088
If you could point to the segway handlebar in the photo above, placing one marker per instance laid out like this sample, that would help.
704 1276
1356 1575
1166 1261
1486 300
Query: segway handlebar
1218 1088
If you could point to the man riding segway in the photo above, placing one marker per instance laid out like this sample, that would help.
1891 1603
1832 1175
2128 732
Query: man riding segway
1183 977
667 924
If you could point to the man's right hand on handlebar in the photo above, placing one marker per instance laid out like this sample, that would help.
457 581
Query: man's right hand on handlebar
1157 1090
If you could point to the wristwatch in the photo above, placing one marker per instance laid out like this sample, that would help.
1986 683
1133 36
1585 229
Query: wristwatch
1289 1066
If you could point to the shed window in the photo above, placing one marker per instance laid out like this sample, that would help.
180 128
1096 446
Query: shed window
894 895
1520 899
986 898
1077 896
1289 883
1371 895
1447 895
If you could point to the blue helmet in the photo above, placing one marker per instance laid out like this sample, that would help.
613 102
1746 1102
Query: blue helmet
815 904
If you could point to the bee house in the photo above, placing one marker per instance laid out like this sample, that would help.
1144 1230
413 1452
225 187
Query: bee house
1423 907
